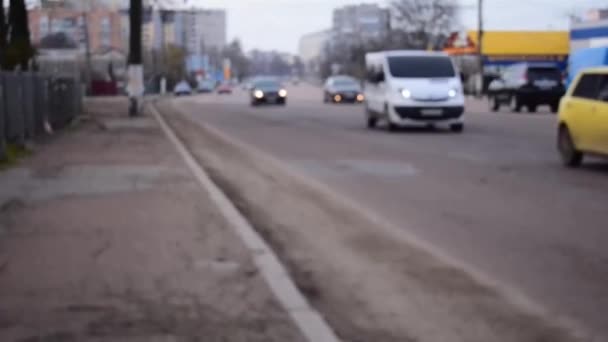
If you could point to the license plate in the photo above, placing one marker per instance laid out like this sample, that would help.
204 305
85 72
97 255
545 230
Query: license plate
431 112
272 98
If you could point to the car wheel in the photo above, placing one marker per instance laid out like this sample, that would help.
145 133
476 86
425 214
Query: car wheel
457 127
372 119
391 126
532 108
494 104
571 157
515 104
372 122
554 108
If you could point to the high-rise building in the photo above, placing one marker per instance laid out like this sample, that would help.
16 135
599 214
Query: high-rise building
310 48
361 22
103 25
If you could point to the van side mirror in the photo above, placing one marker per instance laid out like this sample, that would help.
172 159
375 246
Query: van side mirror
380 77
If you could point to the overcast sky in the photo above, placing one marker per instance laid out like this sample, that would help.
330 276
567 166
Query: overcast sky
278 24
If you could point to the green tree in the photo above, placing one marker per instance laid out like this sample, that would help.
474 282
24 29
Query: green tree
19 50
240 62
175 58
3 34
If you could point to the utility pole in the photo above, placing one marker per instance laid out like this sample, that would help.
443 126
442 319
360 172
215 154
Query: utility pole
480 34
135 72
87 48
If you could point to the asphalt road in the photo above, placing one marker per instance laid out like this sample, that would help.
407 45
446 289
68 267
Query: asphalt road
494 197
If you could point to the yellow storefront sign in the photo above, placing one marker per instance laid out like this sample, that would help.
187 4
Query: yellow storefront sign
523 43
516 43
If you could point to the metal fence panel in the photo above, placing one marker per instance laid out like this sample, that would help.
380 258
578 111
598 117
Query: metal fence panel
65 99
29 100
2 119
14 104
41 104
28 104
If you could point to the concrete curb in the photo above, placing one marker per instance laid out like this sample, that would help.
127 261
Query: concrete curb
312 325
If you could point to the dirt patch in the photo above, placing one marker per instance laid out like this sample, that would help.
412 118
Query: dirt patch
369 279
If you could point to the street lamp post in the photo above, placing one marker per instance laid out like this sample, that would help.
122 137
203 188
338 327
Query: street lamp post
480 34
135 86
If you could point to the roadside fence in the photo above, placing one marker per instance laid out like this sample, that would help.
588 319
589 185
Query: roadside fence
32 102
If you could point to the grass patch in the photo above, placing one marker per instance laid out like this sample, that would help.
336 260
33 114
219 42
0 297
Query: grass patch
13 153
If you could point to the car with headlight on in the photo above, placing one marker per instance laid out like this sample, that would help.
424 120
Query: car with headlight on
267 91
342 89
413 88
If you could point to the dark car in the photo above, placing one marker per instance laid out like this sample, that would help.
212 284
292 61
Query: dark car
528 85
267 91
340 89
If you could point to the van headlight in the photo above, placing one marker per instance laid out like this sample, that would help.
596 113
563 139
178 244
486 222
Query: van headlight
258 94
453 92
406 93
283 93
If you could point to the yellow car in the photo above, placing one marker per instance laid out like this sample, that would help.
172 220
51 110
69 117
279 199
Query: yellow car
583 117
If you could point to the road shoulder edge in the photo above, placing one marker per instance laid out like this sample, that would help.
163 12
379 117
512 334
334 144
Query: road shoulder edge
309 321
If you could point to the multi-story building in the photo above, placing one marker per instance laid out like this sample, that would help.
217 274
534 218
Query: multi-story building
311 45
103 26
597 14
360 22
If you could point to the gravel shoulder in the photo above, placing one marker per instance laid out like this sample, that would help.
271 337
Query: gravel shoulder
105 236
371 281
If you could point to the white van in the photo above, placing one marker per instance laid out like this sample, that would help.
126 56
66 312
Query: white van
413 88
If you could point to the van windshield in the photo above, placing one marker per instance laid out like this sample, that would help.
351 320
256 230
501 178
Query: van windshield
421 67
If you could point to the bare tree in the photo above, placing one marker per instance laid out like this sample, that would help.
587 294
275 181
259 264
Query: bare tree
19 50
421 24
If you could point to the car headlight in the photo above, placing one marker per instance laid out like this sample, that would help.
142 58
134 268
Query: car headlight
452 92
283 93
406 93
360 97
337 98
258 94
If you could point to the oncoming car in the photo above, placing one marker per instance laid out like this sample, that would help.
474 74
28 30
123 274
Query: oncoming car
267 91
341 89
418 88
583 117
182 89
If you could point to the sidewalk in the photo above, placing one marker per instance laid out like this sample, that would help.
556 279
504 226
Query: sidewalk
105 236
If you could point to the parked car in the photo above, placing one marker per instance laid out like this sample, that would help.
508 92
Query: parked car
182 89
267 91
206 86
224 88
340 89
527 85
583 117
413 88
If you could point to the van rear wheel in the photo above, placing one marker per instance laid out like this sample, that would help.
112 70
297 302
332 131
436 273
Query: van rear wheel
371 122
494 104
457 127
